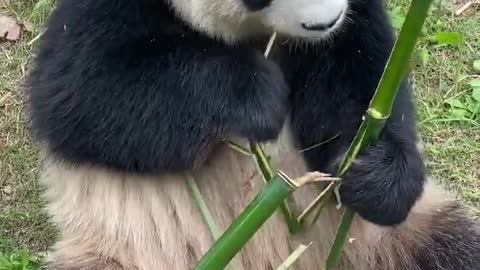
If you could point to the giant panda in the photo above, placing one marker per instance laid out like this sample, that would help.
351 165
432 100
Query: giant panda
128 98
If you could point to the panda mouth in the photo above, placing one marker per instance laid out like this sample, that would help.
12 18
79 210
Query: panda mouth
322 26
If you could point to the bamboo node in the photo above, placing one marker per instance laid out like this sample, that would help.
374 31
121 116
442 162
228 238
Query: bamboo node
377 114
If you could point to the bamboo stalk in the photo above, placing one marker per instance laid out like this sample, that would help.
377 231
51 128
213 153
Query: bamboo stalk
265 168
252 218
380 108
267 173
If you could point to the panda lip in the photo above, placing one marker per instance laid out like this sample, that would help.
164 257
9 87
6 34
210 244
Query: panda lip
322 26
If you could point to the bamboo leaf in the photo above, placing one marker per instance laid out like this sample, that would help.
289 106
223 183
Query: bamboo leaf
321 143
294 257
200 201
239 148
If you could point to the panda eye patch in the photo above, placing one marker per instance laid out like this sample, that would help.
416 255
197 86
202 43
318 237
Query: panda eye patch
254 5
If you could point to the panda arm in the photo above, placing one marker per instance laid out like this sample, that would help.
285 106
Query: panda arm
104 92
333 93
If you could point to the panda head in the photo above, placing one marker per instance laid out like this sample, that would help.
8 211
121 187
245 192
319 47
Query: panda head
236 20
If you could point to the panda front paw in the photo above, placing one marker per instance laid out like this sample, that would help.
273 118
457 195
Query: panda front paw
267 102
383 184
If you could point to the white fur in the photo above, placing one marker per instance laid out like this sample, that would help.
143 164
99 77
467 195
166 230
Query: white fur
287 16
231 21
227 20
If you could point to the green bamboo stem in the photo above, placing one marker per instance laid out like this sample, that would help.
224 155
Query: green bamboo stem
262 162
267 173
340 239
368 132
380 108
247 223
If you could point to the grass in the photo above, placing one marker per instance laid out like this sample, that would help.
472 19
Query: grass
451 135
449 121
21 260
23 223
449 116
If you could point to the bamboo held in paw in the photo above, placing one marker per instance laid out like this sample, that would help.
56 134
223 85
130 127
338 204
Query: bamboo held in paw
253 217
380 108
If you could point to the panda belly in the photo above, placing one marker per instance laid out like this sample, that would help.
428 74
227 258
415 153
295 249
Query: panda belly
111 220
127 221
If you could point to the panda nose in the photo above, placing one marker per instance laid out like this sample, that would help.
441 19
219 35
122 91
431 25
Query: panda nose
321 26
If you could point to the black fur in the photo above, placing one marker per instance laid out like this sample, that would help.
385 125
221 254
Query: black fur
121 83
257 4
332 90
454 243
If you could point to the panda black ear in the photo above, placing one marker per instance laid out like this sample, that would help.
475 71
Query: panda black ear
254 5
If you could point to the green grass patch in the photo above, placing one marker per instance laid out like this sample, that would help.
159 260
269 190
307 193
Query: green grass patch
23 221
21 260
